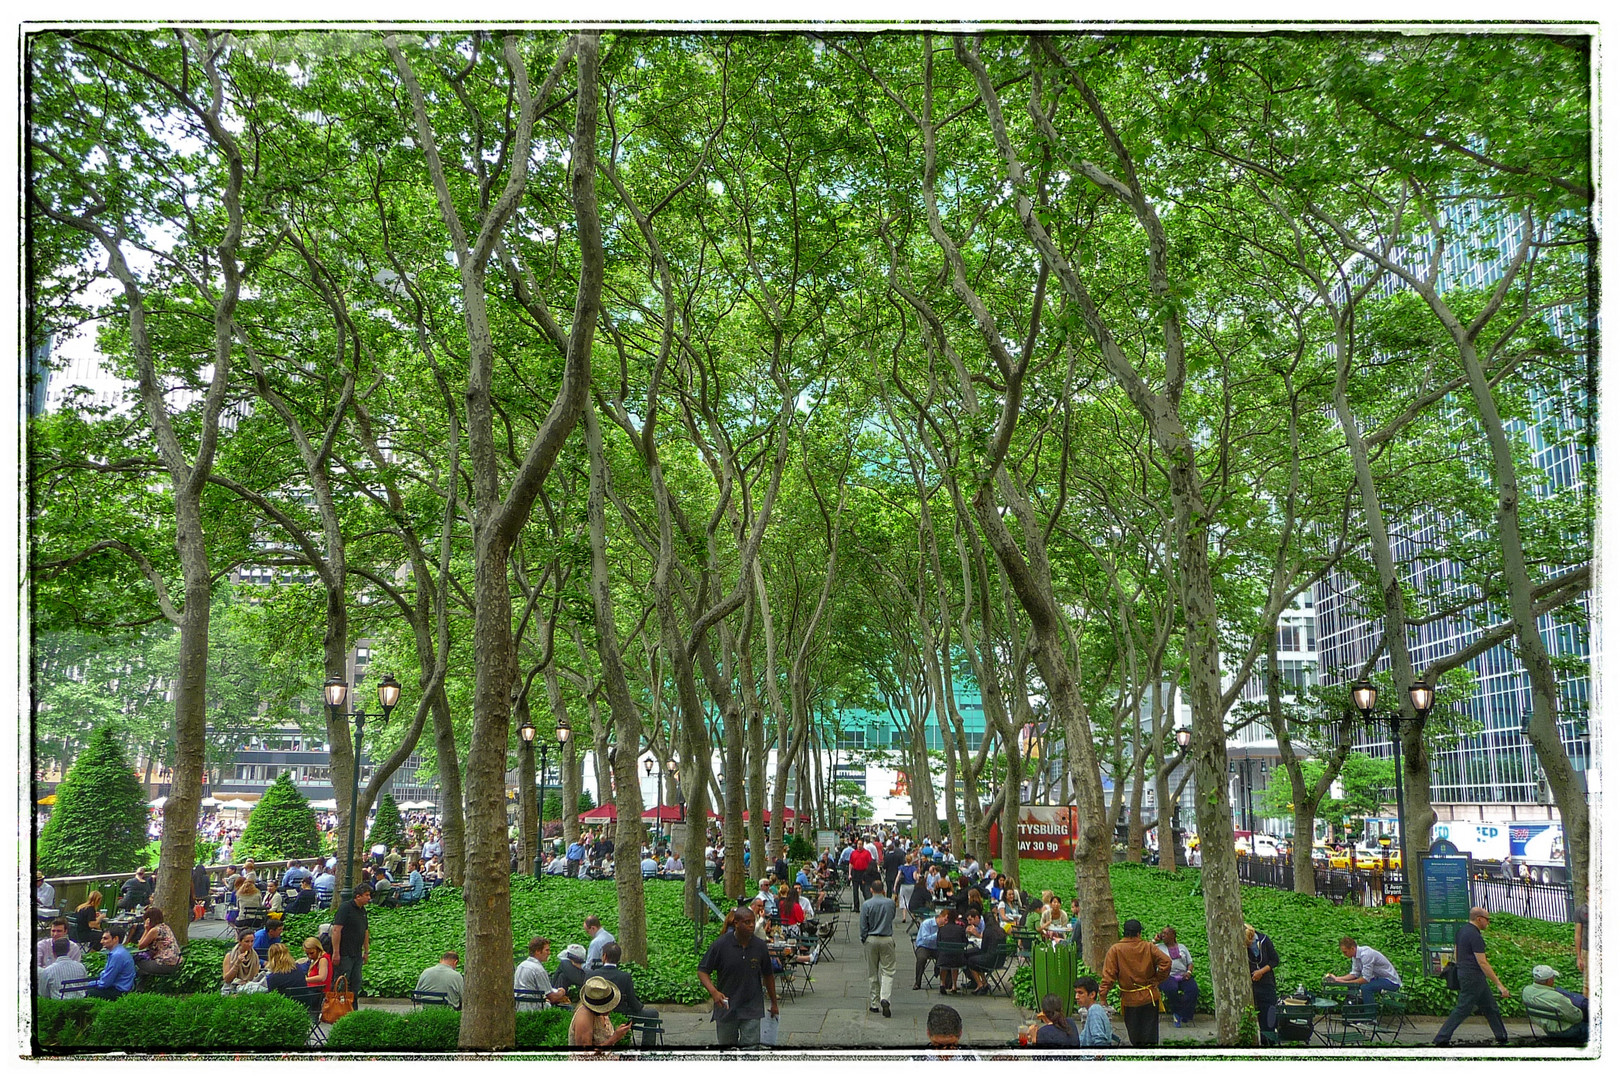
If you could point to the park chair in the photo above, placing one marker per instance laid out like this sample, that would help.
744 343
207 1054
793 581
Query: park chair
311 998
804 965
1295 1023
824 935
645 1030
77 987
521 997
1358 1024
1542 1020
1022 942
1001 964
1392 1014
949 956
419 998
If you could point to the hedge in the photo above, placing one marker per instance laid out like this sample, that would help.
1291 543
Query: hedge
439 1028
1306 931
387 827
281 826
161 1022
201 968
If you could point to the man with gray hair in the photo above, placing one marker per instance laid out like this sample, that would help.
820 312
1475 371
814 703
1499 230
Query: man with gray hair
1473 991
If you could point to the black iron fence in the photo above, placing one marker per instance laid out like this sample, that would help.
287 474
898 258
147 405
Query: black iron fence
1374 887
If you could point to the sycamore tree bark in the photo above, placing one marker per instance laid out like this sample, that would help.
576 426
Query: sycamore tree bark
201 99
487 1019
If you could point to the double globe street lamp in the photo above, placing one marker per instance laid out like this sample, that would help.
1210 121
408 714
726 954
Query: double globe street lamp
527 733
337 693
1365 696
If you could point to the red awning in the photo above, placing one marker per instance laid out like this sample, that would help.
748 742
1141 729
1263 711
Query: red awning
787 815
605 812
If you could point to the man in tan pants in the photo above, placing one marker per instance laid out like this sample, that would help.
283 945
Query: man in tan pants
877 936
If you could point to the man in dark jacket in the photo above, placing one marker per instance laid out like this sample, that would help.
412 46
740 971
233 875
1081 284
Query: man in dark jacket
1263 964
629 1003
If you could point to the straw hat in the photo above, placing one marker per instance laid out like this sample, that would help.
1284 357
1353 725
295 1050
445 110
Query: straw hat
599 995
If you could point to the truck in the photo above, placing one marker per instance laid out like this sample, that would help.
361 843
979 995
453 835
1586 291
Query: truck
1536 845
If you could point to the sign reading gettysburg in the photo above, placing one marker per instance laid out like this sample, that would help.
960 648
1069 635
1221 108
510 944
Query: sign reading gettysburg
1044 832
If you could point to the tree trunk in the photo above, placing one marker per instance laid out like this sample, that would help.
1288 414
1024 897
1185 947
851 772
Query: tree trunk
178 850
454 821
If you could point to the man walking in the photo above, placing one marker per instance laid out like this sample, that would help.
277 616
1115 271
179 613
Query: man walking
877 935
351 937
743 965
1473 989
1138 969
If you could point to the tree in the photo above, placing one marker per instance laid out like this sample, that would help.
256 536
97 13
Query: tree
1368 784
99 825
387 827
282 826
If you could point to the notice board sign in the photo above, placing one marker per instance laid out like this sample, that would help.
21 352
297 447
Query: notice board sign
1044 832
1446 899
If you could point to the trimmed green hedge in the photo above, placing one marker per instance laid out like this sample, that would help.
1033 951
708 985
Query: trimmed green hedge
439 1028
154 1022
1306 931
201 965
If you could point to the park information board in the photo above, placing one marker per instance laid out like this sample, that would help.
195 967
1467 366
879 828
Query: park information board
1445 899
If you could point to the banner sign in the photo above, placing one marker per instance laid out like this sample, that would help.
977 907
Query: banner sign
1044 832
1445 899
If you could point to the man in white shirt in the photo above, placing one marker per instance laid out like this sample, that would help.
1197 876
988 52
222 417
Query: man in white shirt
599 941
61 968
1369 969
767 896
673 865
649 866
43 953
531 975
970 866
44 893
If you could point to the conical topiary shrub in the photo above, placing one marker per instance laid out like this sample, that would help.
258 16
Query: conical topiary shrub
99 825
282 826
387 828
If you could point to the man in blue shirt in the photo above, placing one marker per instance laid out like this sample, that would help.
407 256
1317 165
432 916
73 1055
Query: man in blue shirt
118 977
416 888
293 876
269 934
576 855
926 945
1095 1030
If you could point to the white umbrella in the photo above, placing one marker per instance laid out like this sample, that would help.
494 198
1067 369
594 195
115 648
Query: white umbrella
236 804
324 804
210 801
159 802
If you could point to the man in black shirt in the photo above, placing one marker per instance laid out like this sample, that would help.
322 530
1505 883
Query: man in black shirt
742 964
136 891
1473 991
351 937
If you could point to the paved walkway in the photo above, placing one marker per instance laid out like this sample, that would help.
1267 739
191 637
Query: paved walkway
834 1014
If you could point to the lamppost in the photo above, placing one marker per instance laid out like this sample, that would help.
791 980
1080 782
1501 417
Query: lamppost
527 734
337 692
674 768
1365 696
647 768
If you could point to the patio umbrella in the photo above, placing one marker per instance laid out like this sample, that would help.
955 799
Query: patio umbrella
159 803
210 801
600 814
49 800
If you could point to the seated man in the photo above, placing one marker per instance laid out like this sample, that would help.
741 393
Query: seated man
571 970
1570 1006
293 875
44 894
62 968
767 895
269 934
557 866
304 902
649 867
44 951
325 883
600 939
629 1003
531 975
673 866
136 891
1369 969
443 978
1095 1028
416 887
382 890
118 976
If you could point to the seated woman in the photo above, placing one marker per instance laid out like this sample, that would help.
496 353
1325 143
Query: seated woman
1054 923
1053 1027
1180 989
318 972
85 925
591 1029
789 911
157 952
948 963
275 900
249 903
241 964
284 973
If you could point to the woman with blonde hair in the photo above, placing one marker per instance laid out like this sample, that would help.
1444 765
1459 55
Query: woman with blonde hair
284 973
249 901
319 971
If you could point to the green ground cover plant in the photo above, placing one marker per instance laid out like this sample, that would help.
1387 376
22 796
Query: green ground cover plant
1306 931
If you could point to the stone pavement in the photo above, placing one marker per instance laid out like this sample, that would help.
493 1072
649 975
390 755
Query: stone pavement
833 1015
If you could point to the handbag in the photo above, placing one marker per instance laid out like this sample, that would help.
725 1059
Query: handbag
339 1002
1449 974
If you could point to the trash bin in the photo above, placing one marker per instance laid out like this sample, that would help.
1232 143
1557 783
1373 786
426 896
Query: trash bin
1055 967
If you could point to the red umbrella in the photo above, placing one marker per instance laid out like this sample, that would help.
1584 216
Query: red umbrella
599 814
662 814
787 815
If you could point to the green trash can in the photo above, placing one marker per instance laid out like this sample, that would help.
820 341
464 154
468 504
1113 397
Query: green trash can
1055 967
